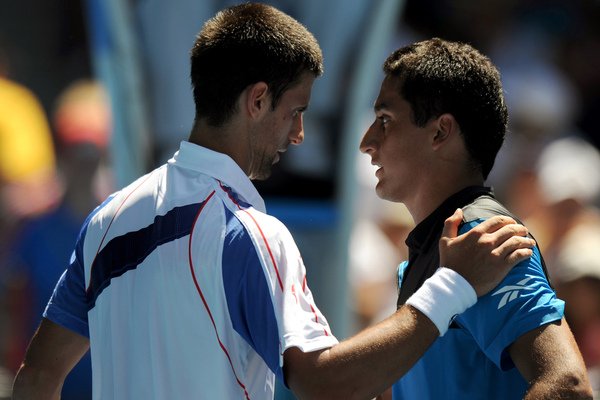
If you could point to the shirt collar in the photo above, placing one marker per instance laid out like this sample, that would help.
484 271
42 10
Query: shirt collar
429 229
220 166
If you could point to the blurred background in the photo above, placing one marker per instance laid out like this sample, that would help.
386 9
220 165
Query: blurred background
94 93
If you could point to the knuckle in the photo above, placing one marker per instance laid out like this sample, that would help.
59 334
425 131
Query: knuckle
502 219
513 230
485 241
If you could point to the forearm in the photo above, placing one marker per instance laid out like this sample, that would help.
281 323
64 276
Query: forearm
569 388
548 358
30 384
367 364
51 355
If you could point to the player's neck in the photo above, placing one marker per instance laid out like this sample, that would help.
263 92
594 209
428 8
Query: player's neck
436 191
226 139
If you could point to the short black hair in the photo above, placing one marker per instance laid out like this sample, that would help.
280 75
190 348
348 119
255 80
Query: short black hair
246 44
437 76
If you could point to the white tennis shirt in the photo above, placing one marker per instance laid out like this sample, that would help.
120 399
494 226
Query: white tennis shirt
186 288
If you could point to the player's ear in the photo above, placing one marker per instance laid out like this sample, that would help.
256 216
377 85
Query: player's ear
446 128
258 99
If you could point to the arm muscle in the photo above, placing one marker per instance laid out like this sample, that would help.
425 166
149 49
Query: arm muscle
52 353
549 360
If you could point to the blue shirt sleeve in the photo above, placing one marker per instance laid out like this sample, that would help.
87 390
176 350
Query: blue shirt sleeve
523 301
68 305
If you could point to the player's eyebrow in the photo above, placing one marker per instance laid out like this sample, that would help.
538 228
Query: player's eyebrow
380 106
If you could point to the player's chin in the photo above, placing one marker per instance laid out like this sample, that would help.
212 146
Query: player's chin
382 191
263 174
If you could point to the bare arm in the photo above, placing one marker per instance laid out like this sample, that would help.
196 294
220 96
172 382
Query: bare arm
368 363
549 360
51 355
365 365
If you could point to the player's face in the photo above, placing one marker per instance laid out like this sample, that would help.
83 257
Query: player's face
281 127
396 145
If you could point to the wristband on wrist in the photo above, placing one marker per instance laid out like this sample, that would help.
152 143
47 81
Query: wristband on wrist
442 297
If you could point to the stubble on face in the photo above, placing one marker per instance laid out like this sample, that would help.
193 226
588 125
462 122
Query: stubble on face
264 165
281 126
264 149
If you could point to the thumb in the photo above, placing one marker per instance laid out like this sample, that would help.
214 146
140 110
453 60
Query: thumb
452 223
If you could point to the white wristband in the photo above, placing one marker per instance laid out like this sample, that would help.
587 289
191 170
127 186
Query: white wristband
443 296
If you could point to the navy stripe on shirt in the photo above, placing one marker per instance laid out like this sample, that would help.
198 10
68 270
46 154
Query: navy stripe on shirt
247 291
126 252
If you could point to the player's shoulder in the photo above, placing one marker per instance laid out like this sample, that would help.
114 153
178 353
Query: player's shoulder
262 223
247 219
484 207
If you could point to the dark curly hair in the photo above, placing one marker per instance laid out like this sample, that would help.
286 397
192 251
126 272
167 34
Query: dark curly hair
438 76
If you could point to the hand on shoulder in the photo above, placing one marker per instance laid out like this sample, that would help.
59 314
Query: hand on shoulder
486 253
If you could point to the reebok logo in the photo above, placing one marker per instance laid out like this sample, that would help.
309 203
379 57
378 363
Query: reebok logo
511 292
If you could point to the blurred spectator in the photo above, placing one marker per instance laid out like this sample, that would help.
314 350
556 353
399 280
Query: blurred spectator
566 223
27 162
83 126
542 106
578 283
28 184
44 243
567 176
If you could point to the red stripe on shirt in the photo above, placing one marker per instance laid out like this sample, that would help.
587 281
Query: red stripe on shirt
261 233
191 263
312 308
